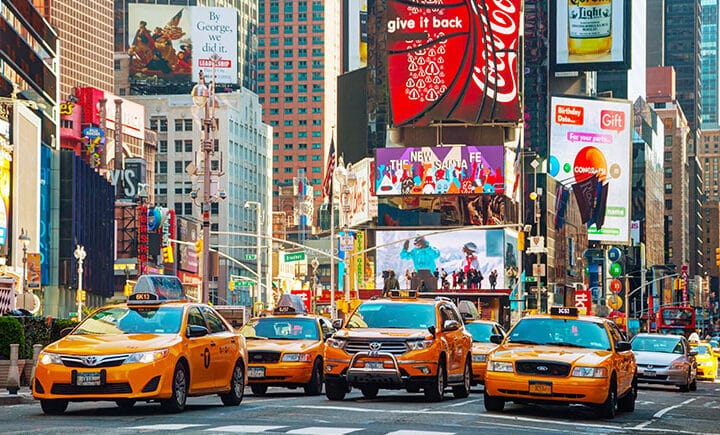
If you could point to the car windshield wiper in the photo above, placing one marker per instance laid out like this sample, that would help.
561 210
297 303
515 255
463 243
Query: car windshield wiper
564 344
256 337
523 342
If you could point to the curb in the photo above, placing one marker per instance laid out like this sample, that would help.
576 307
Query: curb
23 396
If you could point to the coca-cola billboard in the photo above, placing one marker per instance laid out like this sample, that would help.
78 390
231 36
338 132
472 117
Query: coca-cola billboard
453 60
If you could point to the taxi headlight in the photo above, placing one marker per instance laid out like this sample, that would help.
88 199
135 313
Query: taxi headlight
500 366
590 372
419 344
705 363
479 357
47 358
297 357
146 357
337 343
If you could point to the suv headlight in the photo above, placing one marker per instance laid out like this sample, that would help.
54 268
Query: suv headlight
146 357
500 366
482 357
590 372
419 344
296 357
337 343
47 358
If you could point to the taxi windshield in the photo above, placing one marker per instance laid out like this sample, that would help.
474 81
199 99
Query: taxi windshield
281 328
702 350
560 332
393 315
481 332
657 343
133 320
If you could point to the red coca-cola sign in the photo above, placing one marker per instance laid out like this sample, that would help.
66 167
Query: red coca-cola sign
453 60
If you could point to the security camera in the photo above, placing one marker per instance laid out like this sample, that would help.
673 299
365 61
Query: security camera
193 194
223 194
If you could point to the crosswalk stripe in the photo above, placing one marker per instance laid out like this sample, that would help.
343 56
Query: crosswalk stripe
324 430
244 429
168 426
415 432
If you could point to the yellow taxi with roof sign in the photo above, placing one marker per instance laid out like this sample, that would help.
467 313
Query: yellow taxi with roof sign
155 347
285 349
563 358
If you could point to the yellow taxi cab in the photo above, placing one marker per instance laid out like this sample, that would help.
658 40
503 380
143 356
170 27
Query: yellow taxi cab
481 331
286 348
400 342
707 363
563 358
155 347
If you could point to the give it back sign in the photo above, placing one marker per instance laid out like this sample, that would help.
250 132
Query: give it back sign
453 60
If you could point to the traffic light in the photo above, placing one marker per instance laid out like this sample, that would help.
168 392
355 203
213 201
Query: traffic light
168 257
127 289
521 241
199 246
717 256
81 296
614 270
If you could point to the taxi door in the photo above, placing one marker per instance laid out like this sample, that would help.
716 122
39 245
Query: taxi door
199 354
454 339
223 349
624 361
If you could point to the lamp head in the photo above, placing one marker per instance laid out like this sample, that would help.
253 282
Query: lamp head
24 238
200 92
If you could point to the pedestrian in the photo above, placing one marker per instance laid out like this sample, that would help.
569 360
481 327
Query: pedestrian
493 279
422 288
391 283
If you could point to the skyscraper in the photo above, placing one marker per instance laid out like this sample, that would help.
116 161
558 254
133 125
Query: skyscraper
709 61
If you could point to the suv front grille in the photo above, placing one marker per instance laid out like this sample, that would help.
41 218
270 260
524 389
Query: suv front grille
542 368
394 347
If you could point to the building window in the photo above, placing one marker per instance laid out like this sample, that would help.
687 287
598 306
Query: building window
162 146
178 146
178 206
161 167
188 145
178 166
163 125
188 208
188 123
178 125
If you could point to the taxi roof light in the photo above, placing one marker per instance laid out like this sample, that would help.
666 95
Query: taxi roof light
564 311
290 304
154 289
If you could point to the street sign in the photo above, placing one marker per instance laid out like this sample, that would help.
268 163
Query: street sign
243 283
538 269
250 257
72 313
530 279
536 245
347 243
295 256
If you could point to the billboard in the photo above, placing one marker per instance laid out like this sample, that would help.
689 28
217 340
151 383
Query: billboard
590 35
453 60
408 251
356 41
188 231
446 210
446 170
174 43
590 151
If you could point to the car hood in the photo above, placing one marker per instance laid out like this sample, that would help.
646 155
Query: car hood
704 358
107 344
377 333
552 353
483 348
656 358
280 345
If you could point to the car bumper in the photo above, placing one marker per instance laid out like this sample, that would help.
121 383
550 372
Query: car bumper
562 390
382 369
282 374
663 377
708 372
478 372
132 381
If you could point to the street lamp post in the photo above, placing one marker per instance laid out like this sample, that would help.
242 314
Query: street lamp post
314 263
258 256
346 180
80 255
535 197
25 241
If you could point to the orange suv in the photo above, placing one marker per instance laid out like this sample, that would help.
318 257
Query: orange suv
401 342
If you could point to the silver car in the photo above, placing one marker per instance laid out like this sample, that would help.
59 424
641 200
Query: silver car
665 359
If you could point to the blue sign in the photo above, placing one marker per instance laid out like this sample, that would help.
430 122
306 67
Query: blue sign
614 254
93 132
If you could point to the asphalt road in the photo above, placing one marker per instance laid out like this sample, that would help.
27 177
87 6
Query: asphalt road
659 410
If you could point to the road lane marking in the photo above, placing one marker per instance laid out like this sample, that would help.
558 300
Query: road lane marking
325 430
418 432
462 403
664 411
244 429
167 426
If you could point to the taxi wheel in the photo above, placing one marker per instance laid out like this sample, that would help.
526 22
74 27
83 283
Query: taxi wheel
176 402
335 390
627 402
314 387
493 403
370 392
53 406
435 391
608 409
259 389
462 391
237 387
125 403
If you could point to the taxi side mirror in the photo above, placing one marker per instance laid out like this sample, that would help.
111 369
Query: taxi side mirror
196 331
496 338
451 325
692 352
623 346
432 330
337 323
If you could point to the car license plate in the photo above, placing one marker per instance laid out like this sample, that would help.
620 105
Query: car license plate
374 365
542 388
256 372
649 373
88 379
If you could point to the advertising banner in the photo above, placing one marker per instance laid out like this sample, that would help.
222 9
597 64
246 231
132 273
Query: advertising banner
590 151
414 253
188 231
173 43
359 212
34 272
446 170
453 60
590 35
5 177
356 42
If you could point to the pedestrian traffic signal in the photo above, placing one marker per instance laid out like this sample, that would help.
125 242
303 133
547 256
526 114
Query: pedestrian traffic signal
168 257
717 256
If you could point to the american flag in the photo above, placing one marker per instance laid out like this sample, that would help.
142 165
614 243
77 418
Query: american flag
327 182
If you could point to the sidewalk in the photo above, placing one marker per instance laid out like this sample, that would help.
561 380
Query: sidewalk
24 395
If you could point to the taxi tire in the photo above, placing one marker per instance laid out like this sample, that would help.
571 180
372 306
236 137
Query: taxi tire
627 402
237 386
463 391
608 409
435 391
259 389
125 403
370 392
335 390
496 404
176 403
53 406
314 387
